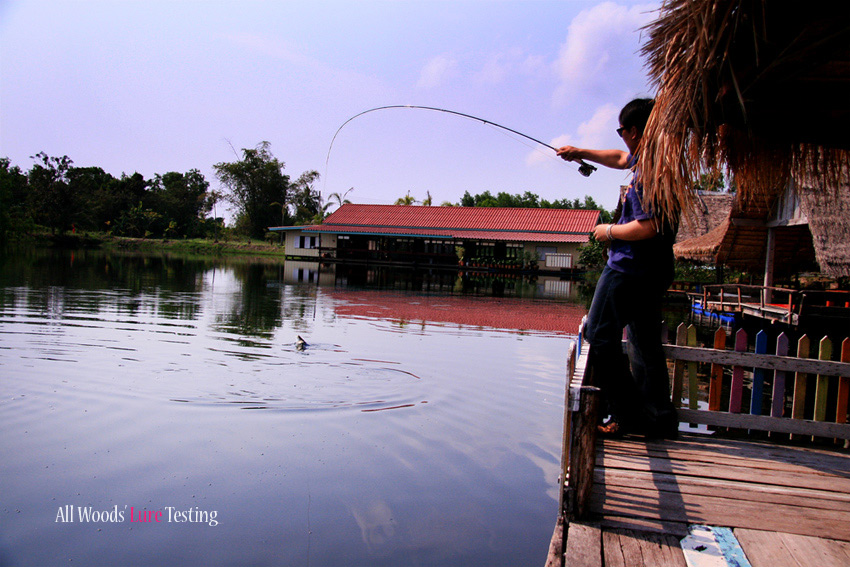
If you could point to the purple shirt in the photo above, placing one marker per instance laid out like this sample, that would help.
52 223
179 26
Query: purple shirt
640 256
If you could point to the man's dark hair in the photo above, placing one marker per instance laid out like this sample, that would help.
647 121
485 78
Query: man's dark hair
636 113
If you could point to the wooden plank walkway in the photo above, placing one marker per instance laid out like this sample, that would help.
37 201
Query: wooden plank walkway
787 506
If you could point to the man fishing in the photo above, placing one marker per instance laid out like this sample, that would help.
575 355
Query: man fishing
629 294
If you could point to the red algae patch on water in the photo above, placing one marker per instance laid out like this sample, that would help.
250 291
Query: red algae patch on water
497 313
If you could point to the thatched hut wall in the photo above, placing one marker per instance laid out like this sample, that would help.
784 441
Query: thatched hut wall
757 88
829 223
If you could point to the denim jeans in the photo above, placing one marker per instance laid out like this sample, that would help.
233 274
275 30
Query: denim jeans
638 392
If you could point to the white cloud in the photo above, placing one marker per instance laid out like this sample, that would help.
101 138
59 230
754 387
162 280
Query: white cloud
269 46
600 129
437 71
599 58
503 66
597 132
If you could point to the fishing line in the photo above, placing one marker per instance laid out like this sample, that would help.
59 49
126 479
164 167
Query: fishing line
584 168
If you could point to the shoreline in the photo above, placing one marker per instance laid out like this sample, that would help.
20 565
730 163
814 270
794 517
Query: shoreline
199 246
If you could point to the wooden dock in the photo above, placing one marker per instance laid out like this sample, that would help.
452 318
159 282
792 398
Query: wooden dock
775 304
706 499
785 505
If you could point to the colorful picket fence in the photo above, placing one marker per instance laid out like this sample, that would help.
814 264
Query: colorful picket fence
771 383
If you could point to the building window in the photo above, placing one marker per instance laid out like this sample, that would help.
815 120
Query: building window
310 276
514 250
308 241
486 249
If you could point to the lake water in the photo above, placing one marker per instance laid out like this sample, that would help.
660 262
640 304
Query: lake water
159 411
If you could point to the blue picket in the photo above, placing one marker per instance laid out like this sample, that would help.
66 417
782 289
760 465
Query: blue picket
759 376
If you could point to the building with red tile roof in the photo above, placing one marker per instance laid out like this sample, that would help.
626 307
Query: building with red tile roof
435 234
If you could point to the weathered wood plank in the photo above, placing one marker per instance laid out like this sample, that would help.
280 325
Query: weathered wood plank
755 452
761 466
773 474
565 437
632 552
720 511
670 549
582 455
555 557
584 545
752 360
771 463
732 489
674 529
726 472
651 549
765 549
766 423
809 550
612 550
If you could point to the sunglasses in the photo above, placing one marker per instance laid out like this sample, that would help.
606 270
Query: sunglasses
620 131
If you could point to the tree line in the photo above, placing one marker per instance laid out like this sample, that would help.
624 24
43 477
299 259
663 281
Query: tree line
56 195
504 199
531 200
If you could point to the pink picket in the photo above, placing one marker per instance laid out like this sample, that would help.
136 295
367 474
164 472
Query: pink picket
736 395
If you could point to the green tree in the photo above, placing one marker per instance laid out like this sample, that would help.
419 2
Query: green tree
531 200
305 202
13 196
91 186
592 255
711 181
183 200
407 200
140 222
118 197
54 204
256 182
339 199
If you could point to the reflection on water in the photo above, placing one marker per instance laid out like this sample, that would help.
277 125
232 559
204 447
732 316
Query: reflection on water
420 425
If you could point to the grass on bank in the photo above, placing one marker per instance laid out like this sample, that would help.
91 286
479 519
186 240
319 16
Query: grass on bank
230 245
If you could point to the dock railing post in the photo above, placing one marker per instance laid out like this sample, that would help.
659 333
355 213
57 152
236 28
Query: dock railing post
581 414
582 451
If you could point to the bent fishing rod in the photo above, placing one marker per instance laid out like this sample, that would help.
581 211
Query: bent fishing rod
584 168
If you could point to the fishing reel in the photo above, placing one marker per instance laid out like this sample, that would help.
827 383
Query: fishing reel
585 168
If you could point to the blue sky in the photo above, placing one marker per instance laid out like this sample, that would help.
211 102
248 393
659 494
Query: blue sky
158 86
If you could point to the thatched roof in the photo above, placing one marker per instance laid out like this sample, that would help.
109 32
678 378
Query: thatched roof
712 209
829 223
740 240
754 87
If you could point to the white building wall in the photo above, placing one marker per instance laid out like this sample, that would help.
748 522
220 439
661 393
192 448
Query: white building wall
540 249
299 243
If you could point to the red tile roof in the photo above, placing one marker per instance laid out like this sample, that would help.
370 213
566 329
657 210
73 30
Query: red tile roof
481 223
